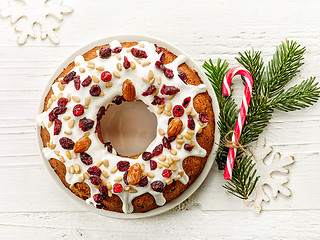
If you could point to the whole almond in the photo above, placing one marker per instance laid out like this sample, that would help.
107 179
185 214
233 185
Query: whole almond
134 174
174 127
128 90
82 144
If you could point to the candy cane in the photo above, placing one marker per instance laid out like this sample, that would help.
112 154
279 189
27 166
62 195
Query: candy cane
226 90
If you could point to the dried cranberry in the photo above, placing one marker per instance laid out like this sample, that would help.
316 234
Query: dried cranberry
168 73
57 127
66 143
160 65
118 100
59 110
108 146
78 110
105 52
166 173
147 156
138 53
158 49
106 76
62 102
94 171
126 63
98 128
101 112
191 124
157 150
169 90
188 147
149 91
166 143
178 111
86 82
95 90
186 102
77 82
153 165
85 124
117 50
117 188
143 181
123 165
162 57
157 101
172 138
157 186
86 158
103 190
125 175
95 180
203 117
98 198
182 76
52 116
68 78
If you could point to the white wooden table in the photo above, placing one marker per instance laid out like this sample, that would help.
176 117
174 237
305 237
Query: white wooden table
33 207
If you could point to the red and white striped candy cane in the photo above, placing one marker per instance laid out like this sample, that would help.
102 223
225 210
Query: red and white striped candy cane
226 90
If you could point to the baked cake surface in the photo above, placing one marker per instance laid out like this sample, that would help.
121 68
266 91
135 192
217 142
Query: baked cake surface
172 171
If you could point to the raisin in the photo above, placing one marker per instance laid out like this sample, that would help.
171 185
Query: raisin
105 52
68 78
143 181
157 101
125 175
117 50
203 117
95 90
94 171
153 165
103 190
62 102
169 90
191 123
108 146
95 180
66 143
166 173
98 198
157 186
157 150
149 91
86 82
106 76
182 76
126 63
118 100
123 166
172 138
101 112
186 102
98 128
147 156
86 158
78 110
188 147
57 127
168 73
117 188
178 111
77 82
85 124
138 53
166 143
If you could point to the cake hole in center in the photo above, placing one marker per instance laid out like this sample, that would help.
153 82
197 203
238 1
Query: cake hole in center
130 127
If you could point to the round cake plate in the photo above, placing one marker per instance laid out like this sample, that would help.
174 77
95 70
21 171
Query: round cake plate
195 185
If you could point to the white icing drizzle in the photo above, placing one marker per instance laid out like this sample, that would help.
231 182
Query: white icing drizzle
97 150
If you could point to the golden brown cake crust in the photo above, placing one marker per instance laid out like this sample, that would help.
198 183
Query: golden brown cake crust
193 166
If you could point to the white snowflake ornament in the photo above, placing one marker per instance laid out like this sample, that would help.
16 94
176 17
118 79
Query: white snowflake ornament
260 153
26 13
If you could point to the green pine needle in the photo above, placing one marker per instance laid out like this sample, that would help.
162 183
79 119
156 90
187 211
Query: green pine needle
268 94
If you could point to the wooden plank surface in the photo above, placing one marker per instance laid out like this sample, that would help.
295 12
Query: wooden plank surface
33 206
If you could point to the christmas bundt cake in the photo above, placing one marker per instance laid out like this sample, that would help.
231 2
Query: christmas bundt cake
115 73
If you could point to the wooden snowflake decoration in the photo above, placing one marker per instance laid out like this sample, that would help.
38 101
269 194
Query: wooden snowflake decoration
260 154
26 13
